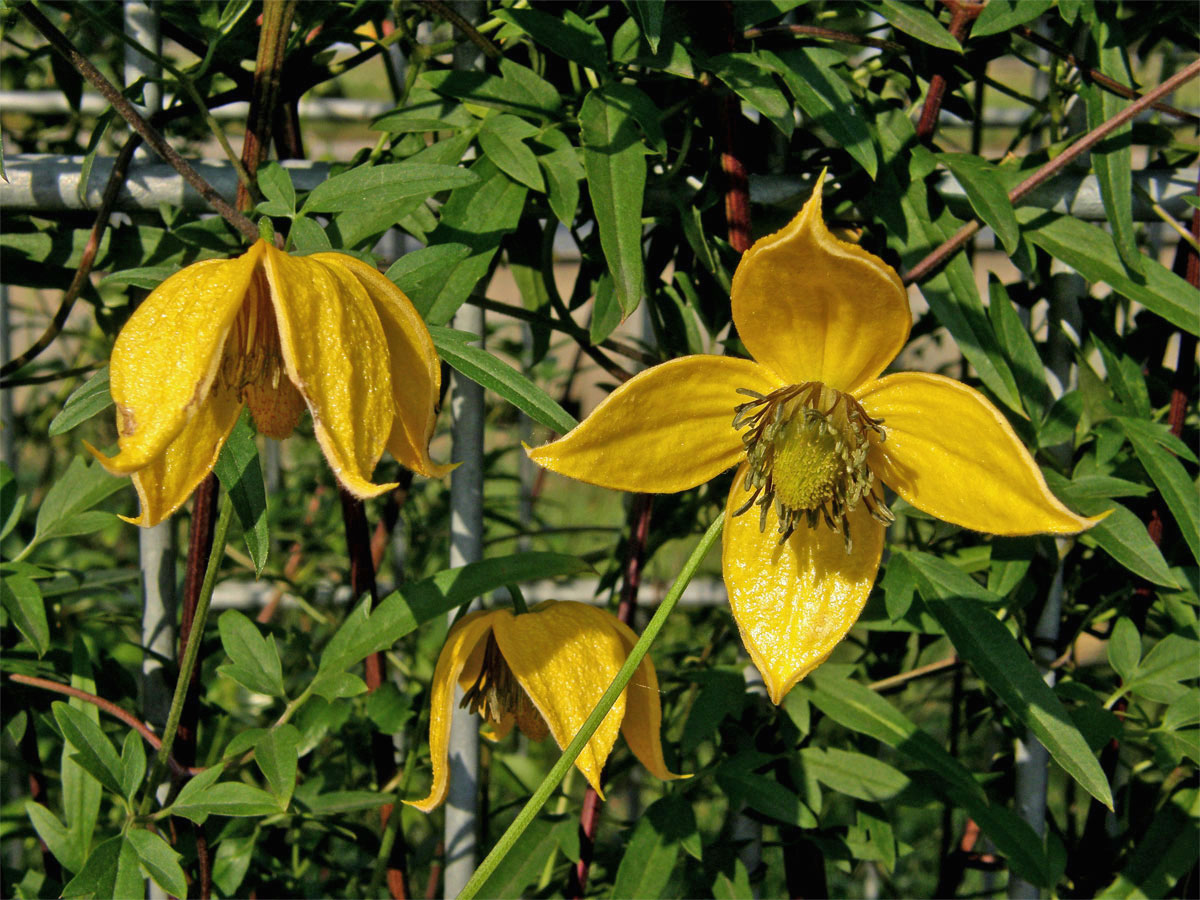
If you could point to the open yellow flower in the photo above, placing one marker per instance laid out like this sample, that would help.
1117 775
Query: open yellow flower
544 672
812 427
281 333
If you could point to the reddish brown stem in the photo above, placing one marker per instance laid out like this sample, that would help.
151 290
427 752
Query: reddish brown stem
268 73
383 754
1052 168
127 111
112 709
635 556
962 14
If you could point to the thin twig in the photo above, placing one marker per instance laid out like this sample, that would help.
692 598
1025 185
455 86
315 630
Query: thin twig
1052 168
116 180
816 31
113 710
490 50
925 671
127 111
962 14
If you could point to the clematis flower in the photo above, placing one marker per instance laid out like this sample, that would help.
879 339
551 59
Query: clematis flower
544 671
281 334
813 430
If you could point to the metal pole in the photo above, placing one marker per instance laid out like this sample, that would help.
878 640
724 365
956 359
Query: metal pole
7 420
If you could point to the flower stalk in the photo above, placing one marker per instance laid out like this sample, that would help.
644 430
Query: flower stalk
573 749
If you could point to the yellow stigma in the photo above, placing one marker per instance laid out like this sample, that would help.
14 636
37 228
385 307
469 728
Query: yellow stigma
806 453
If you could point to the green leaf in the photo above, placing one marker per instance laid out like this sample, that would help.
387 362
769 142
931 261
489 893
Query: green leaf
736 887
11 504
986 194
810 74
502 139
337 685
94 751
524 863
1120 534
420 274
1092 253
767 796
403 611
518 89
276 756
1165 854
275 182
256 664
55 836
307 236
917 21
570 36
81 793
854 774
158 861
1171 660
386 185
1007 669
133 764
722 693
341 802
234 855
87 400
226 798
148 277
1124 648
477 216
66 510
1172 481
240 473
749 78
1018 347
388 708
27 610
492 373
112 870
653 849
614 159
1004 15
198 784
860 709
937 576
649 16
606 310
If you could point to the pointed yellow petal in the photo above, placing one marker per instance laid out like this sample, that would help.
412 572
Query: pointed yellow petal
335 353
471 630
167 355
813 308
952 454
667 429
794 602
168 481
643 710
416 370
565 655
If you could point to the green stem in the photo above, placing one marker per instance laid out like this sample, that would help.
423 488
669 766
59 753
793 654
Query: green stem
556 774
190 653
518 599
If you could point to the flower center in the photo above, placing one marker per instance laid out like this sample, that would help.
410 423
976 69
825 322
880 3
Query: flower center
496 695
806 449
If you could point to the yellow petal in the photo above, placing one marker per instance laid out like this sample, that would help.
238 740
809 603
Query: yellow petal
335 353
811 307
470 631
794 602
166 482
167 355
643 710
952 454
415 368
565 655
667 429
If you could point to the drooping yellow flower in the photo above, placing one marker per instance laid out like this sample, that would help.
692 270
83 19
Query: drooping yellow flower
813 428
544 672
280 333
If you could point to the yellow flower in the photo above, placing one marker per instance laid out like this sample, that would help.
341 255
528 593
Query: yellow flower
813 428
544 671
280 333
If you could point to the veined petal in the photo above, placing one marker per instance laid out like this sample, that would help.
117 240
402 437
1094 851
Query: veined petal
166 357
643 710
335 353
952 454
565 655
811 307
415 368
794 602
169 479
667 429
471 630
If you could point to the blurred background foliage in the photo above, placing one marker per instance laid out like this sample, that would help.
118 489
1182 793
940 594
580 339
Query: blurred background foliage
622 156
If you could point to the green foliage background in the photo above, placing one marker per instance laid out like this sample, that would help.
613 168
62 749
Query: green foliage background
602 126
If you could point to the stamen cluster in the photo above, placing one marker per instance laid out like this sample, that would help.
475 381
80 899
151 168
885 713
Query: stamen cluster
256 357
496 694
806 449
